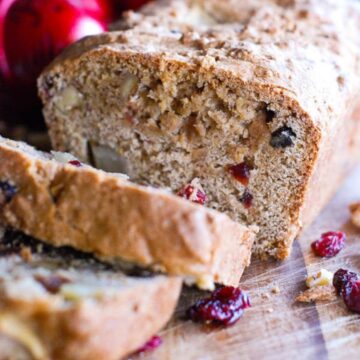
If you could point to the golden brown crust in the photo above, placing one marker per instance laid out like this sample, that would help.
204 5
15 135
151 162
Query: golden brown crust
114 219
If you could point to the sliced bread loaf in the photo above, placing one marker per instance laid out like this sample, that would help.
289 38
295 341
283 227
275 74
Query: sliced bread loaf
258 99
60 304
55 198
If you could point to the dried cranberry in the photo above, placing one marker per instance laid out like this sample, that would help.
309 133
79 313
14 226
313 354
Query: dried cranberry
193 193
241 172
7 191
282 137
76 163
247 199
52 283
152 344
330 244
343 279
225 306
351 296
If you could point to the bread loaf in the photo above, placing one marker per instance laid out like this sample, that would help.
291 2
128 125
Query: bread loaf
259 100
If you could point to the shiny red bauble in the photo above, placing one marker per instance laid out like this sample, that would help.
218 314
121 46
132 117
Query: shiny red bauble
4 7
32 34
35 31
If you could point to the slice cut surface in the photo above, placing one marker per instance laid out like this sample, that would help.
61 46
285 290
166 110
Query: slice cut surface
55 198
59 304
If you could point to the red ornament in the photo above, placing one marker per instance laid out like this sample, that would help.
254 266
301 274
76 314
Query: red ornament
4 7
36 31
98 9
32 33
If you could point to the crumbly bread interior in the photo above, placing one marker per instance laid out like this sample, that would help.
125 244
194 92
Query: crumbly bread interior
31 271
168 234
53 301
170 126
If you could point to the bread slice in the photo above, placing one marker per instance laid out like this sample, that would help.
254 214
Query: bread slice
258 99
63 202
61 304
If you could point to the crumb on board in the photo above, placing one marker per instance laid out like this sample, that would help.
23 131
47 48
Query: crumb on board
275 290
355 213
318 293
26 253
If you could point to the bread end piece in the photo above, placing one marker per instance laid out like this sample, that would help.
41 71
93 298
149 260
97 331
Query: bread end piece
183 98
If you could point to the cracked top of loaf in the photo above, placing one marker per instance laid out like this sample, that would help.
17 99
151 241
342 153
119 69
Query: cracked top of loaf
294 50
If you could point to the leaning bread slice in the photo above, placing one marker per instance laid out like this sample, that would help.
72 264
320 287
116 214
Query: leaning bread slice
60 304
55 198
258 99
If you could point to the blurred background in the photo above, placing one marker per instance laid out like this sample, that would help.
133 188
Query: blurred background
32 34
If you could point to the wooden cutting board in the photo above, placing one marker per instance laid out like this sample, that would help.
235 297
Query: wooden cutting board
276 327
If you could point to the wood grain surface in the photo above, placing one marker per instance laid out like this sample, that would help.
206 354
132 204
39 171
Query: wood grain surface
277 327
